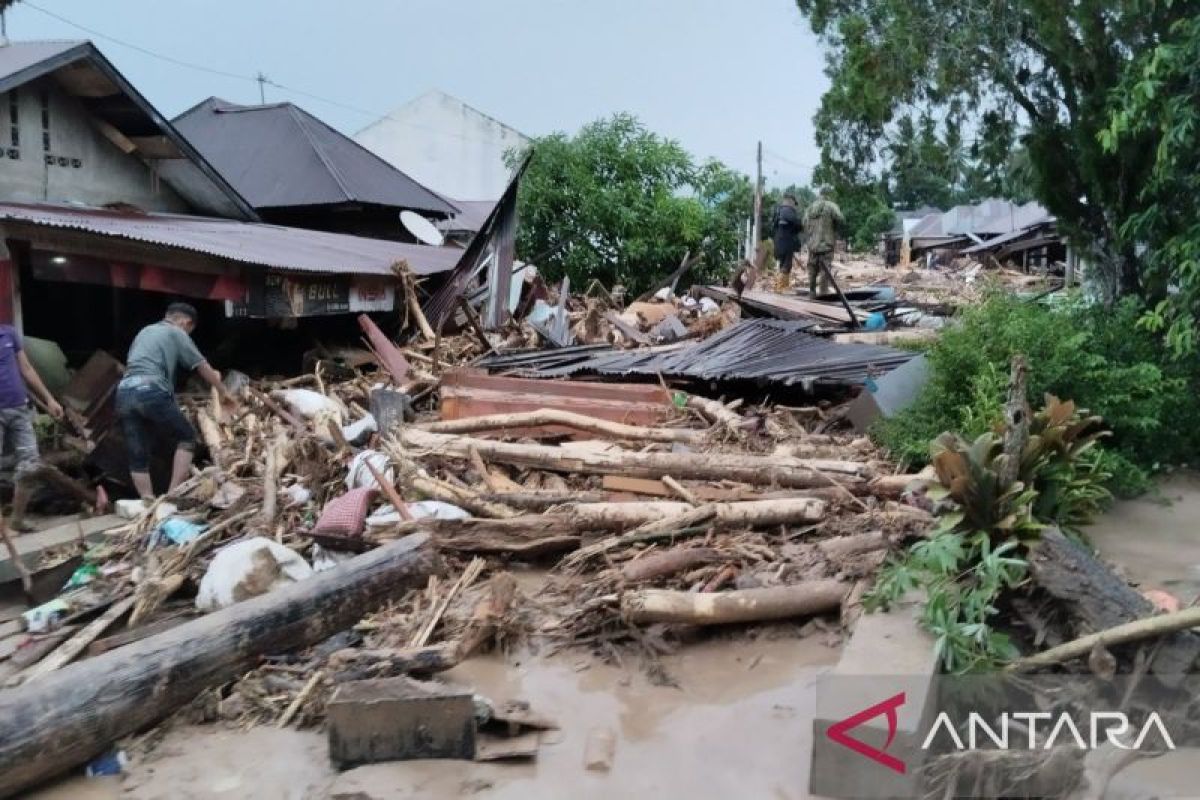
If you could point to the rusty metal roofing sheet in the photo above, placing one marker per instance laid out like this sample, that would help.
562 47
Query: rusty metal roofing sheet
244 242
764 351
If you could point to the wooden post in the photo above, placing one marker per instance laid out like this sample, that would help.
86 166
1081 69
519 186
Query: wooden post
756 228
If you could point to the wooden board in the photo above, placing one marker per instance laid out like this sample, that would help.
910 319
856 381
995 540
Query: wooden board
471 393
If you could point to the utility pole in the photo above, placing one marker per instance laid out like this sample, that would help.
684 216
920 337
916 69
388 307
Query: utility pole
758 189
262 92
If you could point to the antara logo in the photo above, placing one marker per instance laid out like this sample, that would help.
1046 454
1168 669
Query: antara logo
838 732
1112 727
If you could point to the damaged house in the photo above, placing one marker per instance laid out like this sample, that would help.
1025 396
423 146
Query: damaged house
107 211
1024 235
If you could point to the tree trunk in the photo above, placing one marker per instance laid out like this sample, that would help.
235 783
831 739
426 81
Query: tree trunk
68 717
1096 600
564 419
759 470
556 531
745 605
658 565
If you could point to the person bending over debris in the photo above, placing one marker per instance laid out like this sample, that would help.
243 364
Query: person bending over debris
146 395
17 437
821 223
787 226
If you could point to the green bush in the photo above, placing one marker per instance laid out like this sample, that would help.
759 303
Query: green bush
1097 356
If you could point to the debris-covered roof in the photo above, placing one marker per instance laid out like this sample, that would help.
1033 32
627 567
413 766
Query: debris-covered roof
765 351
244 242
83 71
280 156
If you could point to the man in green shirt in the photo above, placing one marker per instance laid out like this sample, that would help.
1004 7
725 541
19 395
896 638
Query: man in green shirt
146 395
822 221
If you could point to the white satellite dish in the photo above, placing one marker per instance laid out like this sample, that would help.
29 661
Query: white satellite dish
421 228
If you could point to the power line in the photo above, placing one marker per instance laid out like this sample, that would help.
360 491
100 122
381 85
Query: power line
260 79
139 48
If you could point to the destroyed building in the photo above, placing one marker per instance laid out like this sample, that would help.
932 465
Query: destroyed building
1025 235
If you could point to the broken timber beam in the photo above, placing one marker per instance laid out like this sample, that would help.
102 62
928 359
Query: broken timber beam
743 605
70 716
566 419
799 473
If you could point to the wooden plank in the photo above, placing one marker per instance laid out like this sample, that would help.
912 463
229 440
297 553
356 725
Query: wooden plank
467 393
76 644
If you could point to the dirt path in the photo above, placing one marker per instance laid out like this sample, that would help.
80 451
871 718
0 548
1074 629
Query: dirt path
738 701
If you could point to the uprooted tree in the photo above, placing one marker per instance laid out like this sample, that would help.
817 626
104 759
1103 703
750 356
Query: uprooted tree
1053 69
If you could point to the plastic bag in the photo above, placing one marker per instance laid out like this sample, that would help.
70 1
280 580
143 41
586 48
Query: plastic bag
359 477
247 569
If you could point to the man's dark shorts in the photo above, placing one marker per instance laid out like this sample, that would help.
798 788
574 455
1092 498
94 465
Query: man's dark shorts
141 407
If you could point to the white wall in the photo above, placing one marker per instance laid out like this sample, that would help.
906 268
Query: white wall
444 144
104 173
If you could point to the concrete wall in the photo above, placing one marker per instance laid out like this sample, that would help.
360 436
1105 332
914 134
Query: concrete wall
446 145
96 171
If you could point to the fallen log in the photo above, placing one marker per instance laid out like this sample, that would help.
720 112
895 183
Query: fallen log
744 605
1096 600
566 419
576 518
670 562
70 716
716 413
354 664
1160 625
540 501
759 470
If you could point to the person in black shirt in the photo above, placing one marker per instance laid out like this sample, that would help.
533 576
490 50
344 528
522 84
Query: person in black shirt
788 228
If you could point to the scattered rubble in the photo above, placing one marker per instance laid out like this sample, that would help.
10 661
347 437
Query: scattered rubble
359 526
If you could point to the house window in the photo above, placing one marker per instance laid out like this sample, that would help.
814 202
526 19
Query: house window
46 121
14 113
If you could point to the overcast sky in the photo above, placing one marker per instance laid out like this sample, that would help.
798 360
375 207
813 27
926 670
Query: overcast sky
715 74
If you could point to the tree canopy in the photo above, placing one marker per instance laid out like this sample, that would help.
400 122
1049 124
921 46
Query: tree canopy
622 205
1047 69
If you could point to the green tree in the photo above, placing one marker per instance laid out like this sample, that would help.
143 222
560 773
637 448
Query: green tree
621 205
963 60
1160 102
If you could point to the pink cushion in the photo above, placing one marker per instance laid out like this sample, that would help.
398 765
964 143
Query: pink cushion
346 515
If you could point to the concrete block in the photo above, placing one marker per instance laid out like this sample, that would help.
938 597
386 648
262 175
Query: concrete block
395 719
887 655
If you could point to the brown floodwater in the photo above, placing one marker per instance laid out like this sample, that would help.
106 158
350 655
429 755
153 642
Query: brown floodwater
738 724
1155 540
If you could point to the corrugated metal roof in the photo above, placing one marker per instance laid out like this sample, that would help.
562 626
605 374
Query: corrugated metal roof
280 156
764 351
131 114
470 217
244 242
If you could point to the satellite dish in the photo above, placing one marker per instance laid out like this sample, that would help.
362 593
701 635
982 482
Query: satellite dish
421 228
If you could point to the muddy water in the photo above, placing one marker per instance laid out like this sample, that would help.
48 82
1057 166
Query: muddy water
737 725
1155 540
